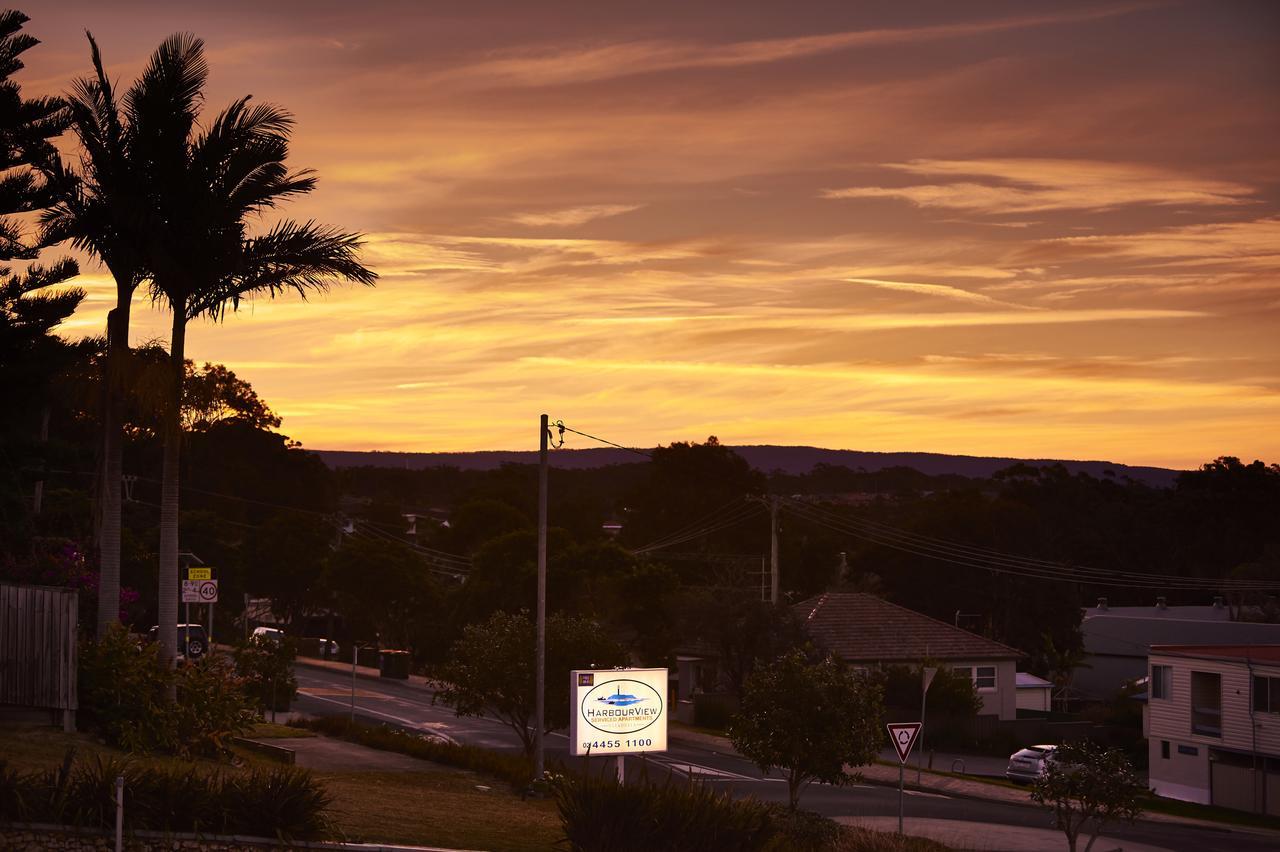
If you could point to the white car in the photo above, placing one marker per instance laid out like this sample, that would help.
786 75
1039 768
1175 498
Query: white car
1027 765
269 634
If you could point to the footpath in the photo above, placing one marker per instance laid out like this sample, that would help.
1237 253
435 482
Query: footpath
976 835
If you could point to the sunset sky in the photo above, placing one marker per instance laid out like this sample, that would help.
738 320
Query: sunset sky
996 228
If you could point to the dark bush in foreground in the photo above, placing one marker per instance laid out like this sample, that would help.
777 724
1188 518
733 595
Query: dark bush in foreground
124 691
281 802
598 814
515 769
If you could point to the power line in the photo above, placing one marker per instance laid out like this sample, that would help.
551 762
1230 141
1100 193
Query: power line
994 562
664 541
1076 572
742 515
383 531
559 424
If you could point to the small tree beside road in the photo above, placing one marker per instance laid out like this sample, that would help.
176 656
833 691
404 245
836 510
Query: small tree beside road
809 720
1085 784
490 669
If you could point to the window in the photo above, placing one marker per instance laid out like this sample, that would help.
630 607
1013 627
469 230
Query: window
1164 749
1161 681
983 677
1266 694
1206 704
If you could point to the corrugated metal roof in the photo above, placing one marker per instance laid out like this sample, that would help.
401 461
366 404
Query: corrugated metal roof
1266 653
1131 636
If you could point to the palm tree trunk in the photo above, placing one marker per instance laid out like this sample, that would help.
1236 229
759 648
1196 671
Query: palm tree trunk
113 468
168 586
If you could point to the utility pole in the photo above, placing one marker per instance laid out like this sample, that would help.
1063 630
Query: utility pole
773 549
540 662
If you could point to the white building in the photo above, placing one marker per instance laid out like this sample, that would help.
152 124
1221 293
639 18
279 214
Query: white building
1213 725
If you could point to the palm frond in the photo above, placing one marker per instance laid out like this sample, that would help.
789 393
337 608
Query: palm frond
302 258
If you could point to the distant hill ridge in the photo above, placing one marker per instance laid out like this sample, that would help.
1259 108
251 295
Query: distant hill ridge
791 460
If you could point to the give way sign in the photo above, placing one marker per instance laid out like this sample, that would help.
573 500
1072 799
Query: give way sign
904 735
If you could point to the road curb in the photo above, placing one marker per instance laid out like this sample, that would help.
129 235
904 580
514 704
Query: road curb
274 752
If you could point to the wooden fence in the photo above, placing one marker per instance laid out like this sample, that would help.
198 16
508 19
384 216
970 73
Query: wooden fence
38 648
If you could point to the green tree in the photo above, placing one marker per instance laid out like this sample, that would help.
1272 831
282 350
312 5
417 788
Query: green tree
265 663
214 395
689 481
1085 784
378 587
951 695
30 356
99 211
289 560
808 719
200 188
744 631
490 669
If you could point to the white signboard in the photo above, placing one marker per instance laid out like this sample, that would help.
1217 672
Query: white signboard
200 591
617 711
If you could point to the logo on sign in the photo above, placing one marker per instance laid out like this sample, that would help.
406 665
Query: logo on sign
903 735
621 706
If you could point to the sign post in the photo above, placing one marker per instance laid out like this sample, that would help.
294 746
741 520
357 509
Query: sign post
617 712
903 735
198 588
926 678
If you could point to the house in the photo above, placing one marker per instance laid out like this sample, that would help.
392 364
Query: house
1116 639
865 630
1213 725
1034 693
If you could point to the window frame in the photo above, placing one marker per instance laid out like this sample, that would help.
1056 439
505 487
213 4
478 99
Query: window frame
1161 681
971 672
1206 720
1269 693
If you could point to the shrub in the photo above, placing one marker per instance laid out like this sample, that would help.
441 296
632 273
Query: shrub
211 708
266 664
123 690
598 813
286 803
124 695
515 769
601 814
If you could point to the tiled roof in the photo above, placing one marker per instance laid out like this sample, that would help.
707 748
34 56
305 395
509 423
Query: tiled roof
863 628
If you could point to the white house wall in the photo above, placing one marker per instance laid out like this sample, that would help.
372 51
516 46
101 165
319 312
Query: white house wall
1186 776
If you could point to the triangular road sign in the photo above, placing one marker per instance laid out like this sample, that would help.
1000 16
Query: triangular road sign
904 736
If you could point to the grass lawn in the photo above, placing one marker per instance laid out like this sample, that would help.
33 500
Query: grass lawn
272 731
439 809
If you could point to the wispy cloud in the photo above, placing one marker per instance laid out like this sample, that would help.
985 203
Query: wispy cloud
1039 185
580 65
944 291
571 216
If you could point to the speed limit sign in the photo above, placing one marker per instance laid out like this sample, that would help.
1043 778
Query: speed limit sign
208 590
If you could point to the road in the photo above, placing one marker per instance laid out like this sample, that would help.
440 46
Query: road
409 706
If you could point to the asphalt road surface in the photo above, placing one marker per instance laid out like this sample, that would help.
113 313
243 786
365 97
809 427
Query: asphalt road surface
409 706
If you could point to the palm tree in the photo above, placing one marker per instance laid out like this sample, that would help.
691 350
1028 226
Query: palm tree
99 211
203 188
